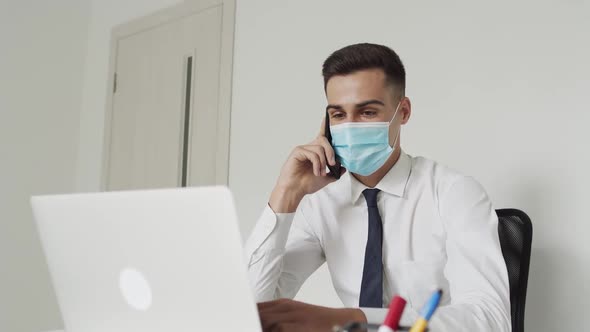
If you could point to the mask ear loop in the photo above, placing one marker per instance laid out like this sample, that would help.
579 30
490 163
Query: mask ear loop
400 128
396 137
394 114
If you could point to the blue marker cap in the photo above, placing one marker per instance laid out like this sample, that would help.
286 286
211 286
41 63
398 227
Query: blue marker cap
431 305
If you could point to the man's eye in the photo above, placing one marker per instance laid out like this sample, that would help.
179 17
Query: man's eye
369 113
337 116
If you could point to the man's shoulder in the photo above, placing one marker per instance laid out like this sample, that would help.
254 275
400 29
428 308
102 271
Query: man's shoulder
438 168
437 173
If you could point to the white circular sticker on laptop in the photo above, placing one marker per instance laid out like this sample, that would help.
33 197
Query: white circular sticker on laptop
135 289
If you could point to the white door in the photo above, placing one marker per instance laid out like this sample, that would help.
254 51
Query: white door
163 128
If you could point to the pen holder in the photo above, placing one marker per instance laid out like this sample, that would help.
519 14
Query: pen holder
363 327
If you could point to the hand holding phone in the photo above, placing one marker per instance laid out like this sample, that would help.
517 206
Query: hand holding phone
304 172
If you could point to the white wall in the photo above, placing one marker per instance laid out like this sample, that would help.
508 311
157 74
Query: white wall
499 91
53 74
42 49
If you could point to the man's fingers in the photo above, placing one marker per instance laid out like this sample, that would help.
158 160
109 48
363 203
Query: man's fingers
289 327
319 150
305 154
329 150
269 321
277 313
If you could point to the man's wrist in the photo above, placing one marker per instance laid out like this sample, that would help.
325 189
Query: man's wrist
284 200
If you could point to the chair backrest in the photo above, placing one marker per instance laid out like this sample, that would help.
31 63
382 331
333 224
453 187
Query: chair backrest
516 233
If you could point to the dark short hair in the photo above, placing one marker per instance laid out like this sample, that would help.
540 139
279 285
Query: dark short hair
357 57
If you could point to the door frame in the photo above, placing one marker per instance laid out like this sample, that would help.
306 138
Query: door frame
187 8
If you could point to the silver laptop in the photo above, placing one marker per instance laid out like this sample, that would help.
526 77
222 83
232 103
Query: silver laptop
156 260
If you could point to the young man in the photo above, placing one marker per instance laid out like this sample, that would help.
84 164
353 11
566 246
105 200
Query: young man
392 224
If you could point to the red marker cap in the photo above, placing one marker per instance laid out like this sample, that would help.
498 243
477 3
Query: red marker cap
396 308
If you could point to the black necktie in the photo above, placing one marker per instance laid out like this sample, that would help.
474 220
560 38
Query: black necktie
372 284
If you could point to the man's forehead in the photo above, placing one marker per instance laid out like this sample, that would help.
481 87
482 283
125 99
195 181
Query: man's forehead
357 87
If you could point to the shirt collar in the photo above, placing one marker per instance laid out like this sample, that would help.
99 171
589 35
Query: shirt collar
394 182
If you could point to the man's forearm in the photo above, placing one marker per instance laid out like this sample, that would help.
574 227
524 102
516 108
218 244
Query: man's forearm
284 200
265 249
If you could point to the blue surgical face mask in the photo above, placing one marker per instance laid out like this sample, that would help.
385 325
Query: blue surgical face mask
363 147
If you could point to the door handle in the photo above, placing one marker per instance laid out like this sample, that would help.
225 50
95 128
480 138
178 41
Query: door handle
186 123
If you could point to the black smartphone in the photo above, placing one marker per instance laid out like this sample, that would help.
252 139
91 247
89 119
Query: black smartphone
335 170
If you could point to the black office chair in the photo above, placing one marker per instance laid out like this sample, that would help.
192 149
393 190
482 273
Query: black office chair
516 234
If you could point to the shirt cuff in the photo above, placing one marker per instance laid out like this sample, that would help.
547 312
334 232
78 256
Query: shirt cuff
270 233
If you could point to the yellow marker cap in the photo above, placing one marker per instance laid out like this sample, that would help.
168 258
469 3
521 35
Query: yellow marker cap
419 326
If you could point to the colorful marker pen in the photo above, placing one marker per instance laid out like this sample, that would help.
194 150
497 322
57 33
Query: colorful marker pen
396 308
427 311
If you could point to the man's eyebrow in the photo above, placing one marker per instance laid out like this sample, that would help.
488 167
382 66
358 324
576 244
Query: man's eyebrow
336 107
369 102
359 105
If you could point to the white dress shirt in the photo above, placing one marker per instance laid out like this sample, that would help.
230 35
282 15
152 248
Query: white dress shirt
440 230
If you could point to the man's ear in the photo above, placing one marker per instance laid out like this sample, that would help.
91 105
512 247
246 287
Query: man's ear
405 109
